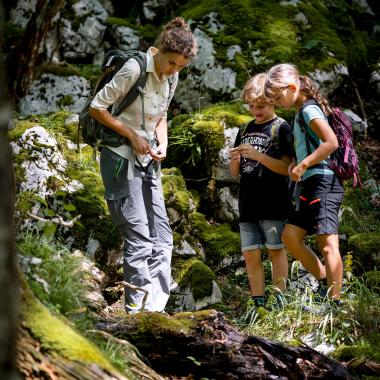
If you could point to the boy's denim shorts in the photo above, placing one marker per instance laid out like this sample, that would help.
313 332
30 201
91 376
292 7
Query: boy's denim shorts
264 233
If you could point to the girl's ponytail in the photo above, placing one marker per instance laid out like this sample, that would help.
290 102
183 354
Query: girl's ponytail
310 90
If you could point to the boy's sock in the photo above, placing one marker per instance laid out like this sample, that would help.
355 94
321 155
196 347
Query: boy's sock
259 301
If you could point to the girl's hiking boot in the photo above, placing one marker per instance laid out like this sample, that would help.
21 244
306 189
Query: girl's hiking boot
302 279
329 306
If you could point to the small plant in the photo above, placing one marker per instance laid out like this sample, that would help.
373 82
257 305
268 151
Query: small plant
52 272
187 140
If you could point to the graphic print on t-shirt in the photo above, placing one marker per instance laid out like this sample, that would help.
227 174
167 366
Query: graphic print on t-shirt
259 141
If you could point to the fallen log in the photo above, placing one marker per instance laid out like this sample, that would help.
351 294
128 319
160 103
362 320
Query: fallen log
49 348
204 345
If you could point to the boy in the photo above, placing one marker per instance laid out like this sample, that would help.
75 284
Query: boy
261 155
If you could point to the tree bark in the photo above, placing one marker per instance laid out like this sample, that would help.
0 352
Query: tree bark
22 65
207 346
8 269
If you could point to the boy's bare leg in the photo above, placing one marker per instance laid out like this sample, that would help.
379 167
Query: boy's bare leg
255 271
329 247
279 267
293 238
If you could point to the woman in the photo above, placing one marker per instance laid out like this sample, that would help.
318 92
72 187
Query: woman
131 173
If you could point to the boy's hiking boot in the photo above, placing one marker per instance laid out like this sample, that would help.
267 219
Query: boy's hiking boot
258 301
302 279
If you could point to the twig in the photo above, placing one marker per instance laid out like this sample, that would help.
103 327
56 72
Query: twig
58 220
133 287
361 105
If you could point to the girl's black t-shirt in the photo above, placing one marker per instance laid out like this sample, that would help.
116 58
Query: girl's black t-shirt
263 194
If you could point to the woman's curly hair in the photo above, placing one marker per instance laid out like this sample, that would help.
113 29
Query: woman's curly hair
177 38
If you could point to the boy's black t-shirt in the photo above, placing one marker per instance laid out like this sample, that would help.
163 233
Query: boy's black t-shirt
263 194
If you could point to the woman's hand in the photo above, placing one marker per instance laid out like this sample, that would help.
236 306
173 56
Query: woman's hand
159 154
140 145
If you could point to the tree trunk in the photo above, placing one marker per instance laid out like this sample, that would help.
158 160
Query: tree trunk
8 271
205 345
22 65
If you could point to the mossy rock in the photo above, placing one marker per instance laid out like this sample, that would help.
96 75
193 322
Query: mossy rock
219 241
175 193
89 201
272 29
195 140
195 274
373 280
19 128
359 215
366 248
364 350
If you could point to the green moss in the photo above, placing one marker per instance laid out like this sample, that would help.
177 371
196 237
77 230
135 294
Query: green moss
266 26
158 323
95 221
116 21
366 248
175 191
368 349
24 201
66 100
56 336
219 241
177 239
373 280
280 41
54 123
195 140
199 277
90 72
359 215
54 183
89 201
62 70
20 127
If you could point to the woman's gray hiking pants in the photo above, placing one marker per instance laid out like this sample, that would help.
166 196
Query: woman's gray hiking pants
137 208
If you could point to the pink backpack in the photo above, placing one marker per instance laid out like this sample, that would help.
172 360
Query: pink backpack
344 161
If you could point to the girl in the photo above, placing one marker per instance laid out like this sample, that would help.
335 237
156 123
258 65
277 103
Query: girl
321 191
132 182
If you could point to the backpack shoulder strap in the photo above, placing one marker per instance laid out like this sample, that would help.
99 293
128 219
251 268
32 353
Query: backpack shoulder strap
137 87
275 128
304 127
242 129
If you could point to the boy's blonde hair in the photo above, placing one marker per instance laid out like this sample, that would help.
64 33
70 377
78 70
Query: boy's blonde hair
254 90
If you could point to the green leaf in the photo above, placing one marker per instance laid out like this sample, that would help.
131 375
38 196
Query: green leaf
69 207
196 362
49 212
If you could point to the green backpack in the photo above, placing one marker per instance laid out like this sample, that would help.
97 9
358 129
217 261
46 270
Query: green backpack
274 131
92 131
